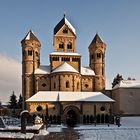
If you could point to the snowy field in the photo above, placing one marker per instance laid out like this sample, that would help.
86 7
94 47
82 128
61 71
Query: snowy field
129 130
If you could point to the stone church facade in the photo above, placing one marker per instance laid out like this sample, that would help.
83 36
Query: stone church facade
64 89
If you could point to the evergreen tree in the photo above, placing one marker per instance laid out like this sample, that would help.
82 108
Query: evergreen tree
20 100
117 80
13 101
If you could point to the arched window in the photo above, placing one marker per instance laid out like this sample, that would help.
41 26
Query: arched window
54 85
67 84
77 85
30 52
69 45
36 53
98 55
61 45
86 85
65 30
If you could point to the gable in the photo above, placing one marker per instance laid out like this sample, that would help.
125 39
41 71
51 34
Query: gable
65 31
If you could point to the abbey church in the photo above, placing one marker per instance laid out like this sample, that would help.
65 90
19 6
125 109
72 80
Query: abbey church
64 90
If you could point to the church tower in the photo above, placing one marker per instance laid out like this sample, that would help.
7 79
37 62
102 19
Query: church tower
97 62
30 61
64 42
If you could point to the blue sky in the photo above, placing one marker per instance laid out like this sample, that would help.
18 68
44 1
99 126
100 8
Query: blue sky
117 22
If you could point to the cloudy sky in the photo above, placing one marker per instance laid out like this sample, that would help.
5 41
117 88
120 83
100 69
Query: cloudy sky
117 22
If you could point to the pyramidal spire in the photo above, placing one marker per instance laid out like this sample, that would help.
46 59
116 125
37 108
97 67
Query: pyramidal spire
30 36
97 39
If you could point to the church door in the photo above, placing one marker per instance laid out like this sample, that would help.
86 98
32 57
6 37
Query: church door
71 115
71 118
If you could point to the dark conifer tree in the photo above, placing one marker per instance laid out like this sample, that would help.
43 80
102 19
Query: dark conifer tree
117 80
13 101
20 100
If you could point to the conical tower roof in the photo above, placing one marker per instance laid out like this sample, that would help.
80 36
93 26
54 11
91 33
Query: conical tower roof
31 36
61 23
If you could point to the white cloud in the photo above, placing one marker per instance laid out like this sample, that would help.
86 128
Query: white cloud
10 77
108 84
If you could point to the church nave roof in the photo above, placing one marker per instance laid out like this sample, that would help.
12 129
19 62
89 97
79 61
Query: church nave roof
55 96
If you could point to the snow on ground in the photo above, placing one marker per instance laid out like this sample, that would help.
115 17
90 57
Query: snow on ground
33 127
129 130
56 128
43 132
110 134
16 135
130 121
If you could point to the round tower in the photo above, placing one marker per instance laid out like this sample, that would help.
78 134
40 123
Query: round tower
30 61
97 62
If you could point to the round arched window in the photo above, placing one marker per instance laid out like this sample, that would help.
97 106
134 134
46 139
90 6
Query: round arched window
39 108
102 108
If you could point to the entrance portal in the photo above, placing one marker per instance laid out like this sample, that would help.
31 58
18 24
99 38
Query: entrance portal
71 118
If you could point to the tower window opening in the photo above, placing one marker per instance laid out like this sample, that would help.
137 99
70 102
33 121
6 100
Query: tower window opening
65 31
75 59
67 84
92 56
61 45
69 46
55 58
36 53
98 55
29 52
65 59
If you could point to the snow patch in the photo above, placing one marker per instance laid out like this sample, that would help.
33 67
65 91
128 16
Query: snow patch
16 135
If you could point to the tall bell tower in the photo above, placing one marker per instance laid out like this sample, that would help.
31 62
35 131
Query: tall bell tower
30 61
97 62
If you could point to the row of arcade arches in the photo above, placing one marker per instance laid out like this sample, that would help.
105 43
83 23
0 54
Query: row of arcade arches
100 118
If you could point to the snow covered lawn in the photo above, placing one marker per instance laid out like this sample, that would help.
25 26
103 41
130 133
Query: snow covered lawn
129 130
16 135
